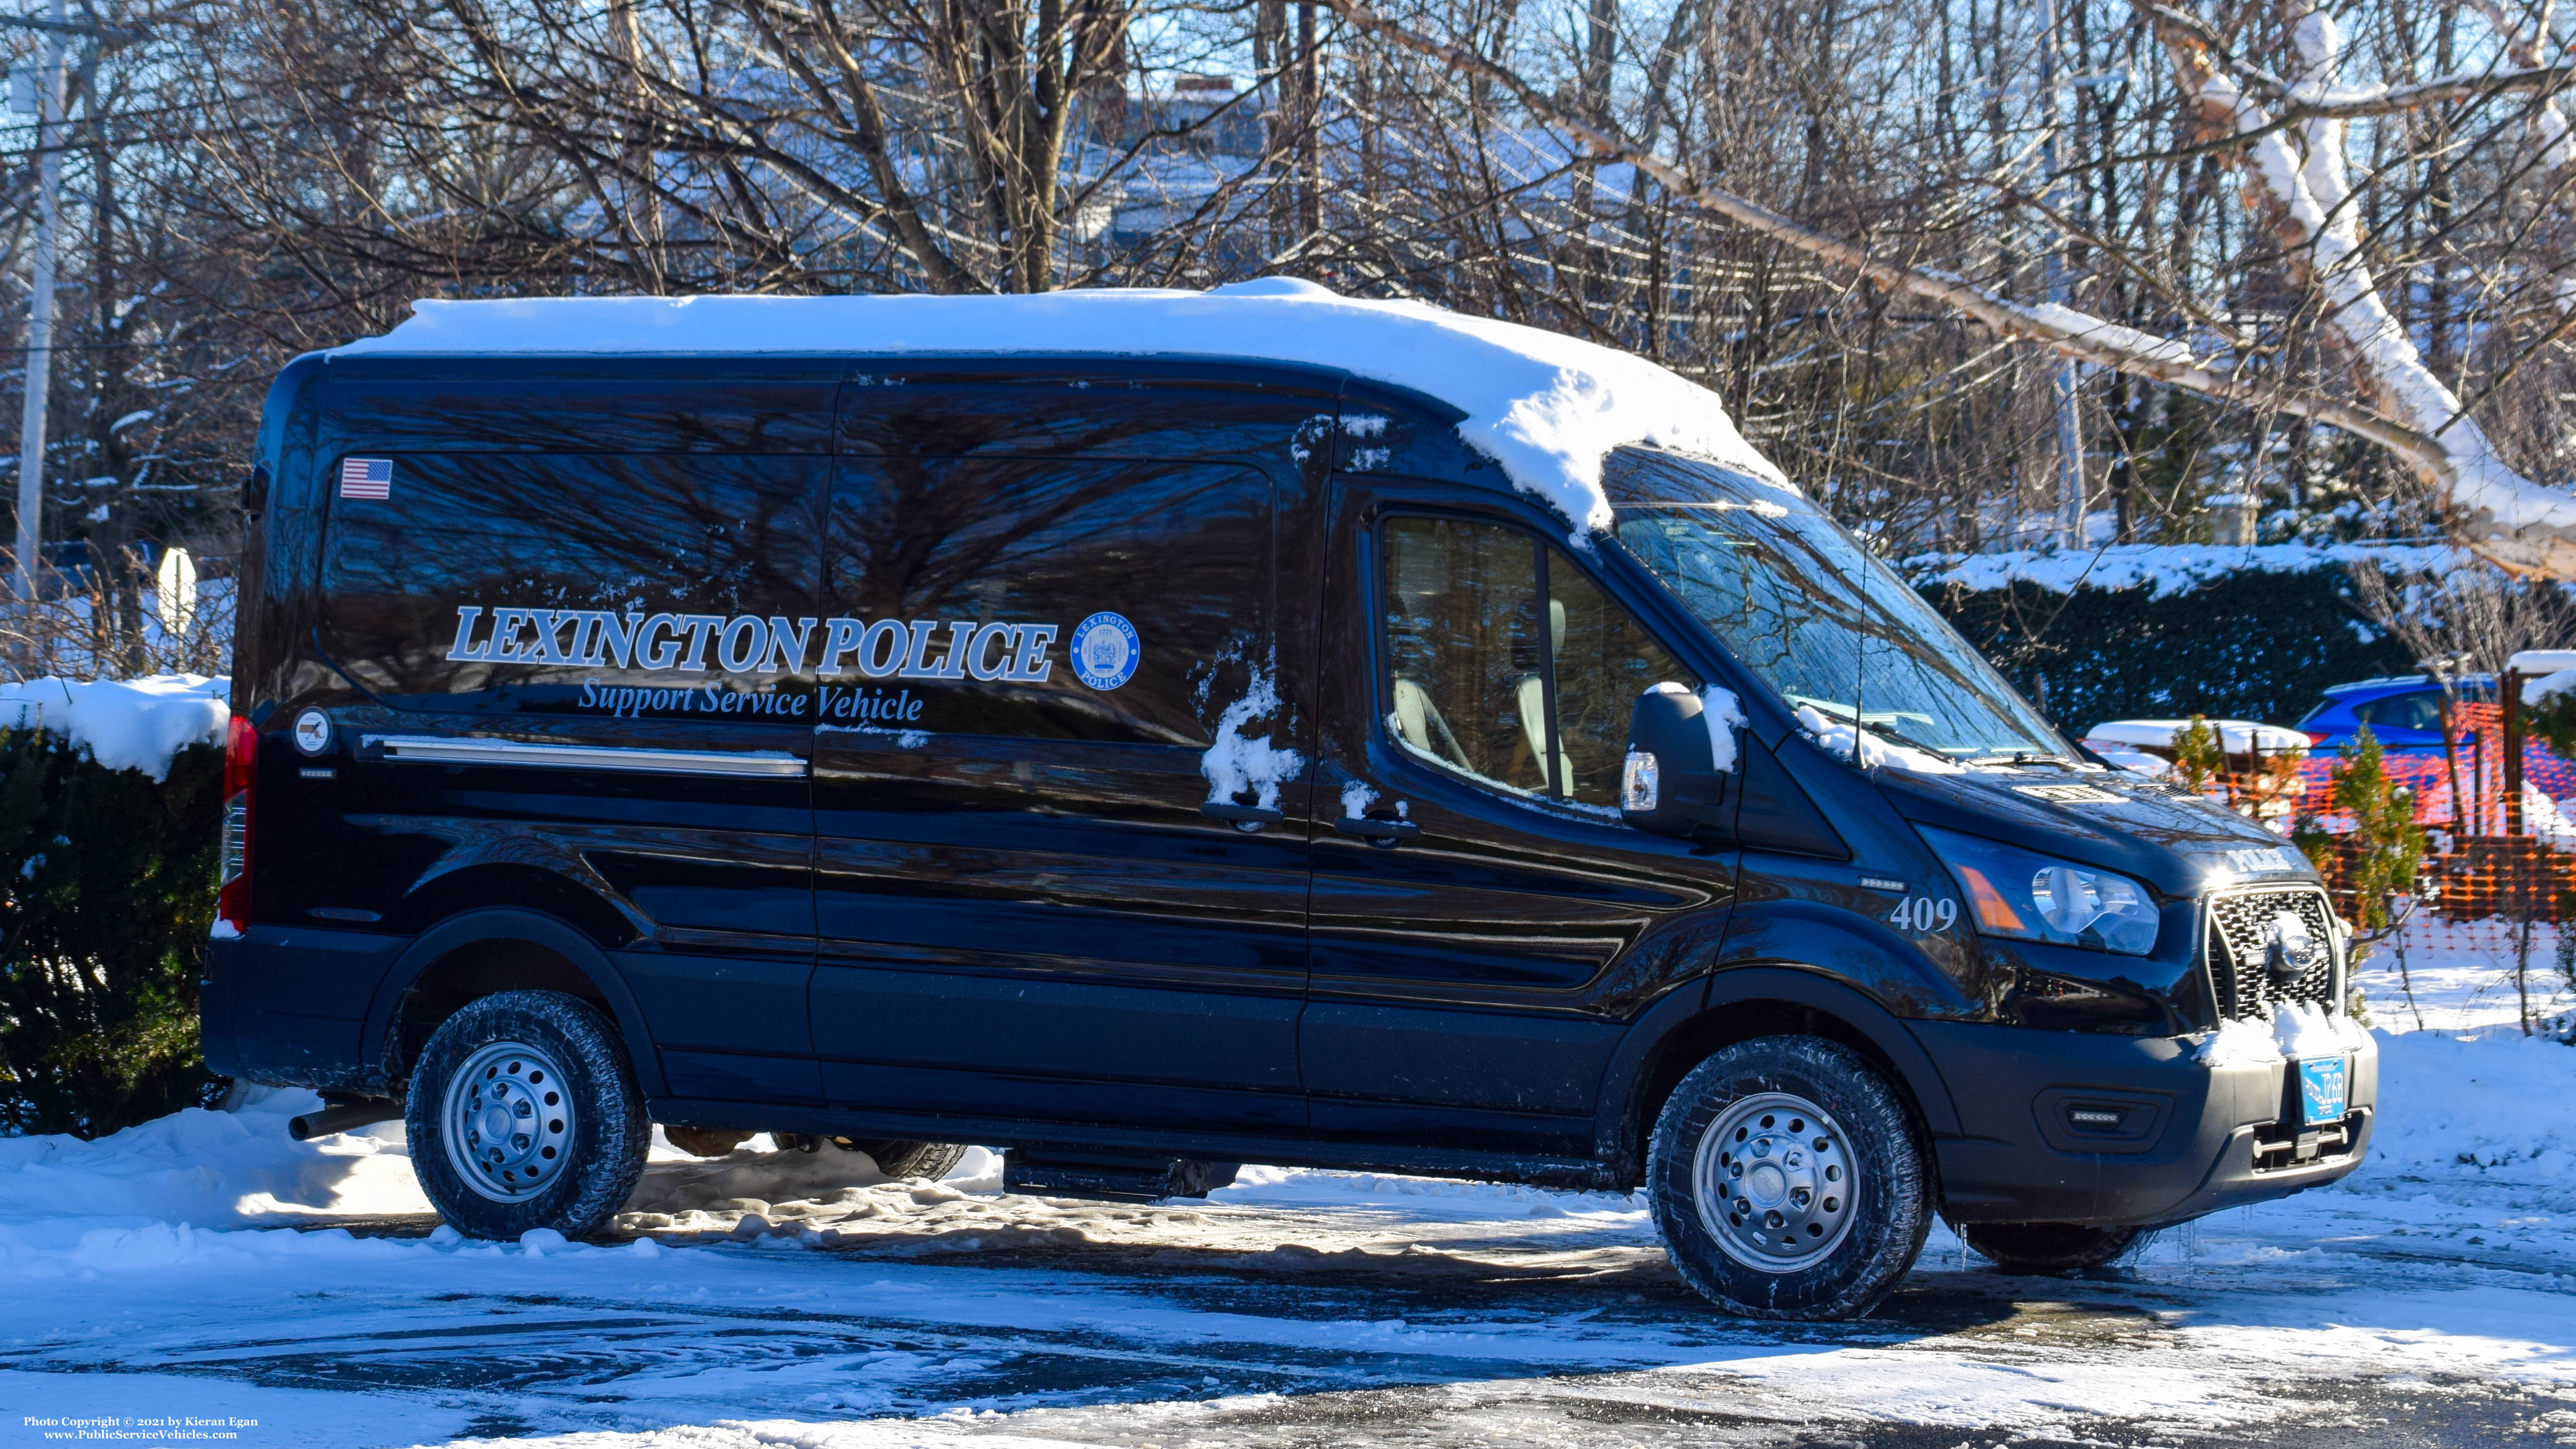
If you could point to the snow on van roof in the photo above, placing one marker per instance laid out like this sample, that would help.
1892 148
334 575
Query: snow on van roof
1547 407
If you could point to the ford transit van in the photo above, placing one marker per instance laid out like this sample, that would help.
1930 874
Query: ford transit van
1148 732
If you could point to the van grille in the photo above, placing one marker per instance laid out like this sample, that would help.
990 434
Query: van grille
2239 924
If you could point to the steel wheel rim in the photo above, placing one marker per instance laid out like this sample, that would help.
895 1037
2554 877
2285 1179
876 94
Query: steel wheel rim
1774 1180
507 1121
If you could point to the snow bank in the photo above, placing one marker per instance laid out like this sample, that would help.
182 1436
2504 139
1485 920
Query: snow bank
1546 407
2165 567
213 1169
127 724
754 1180
2488 1103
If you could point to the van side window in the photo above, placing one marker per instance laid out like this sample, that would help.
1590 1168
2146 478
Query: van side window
1178 550
643 534
1479 684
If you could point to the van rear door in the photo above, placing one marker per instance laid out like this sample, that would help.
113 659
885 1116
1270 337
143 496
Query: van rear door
564 707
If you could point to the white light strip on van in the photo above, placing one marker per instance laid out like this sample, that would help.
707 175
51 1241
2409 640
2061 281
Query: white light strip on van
444 750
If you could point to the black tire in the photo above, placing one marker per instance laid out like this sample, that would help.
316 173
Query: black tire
1743 1128
2047 1247
570 1161
899 1158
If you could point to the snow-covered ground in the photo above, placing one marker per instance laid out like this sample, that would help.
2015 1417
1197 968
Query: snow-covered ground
206 1267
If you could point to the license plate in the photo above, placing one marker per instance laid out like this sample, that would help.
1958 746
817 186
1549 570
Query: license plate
2323 1087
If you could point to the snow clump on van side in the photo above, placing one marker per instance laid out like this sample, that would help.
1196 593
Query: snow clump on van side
1234 764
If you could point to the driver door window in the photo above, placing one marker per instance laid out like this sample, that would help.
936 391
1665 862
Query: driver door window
1507 665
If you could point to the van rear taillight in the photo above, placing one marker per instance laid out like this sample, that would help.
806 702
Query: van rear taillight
241 773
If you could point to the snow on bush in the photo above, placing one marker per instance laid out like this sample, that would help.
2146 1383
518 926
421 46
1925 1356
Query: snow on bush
1547 407
111 811
2167 568
125 724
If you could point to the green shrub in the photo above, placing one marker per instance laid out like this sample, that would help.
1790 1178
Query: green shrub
2553 722
2200 756
2244 645
2387 845
107 885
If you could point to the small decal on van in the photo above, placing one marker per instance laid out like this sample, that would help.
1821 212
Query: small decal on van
1105 650
367 478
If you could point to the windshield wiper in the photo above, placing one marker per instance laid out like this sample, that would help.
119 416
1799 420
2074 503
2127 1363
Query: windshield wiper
1909 741
2015 757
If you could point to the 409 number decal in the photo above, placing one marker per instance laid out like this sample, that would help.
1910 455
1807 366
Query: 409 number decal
1924 913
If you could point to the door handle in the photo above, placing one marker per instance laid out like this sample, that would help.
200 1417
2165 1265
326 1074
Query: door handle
1247 818
1385 834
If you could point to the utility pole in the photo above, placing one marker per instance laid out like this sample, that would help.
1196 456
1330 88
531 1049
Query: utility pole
57 27
40 307
2063 379
1310 119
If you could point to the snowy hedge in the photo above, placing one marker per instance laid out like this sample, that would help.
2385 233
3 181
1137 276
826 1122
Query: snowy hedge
110 818
2250 644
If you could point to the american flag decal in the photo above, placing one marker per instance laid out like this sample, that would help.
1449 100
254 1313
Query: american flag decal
367 478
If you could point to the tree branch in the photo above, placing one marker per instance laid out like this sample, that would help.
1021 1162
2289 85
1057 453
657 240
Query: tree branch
2061 329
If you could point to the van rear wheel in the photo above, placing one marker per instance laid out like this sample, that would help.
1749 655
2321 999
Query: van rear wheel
523 1113
1787 1181
2047 1247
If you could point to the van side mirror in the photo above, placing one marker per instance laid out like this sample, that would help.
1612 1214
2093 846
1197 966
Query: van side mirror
1670 784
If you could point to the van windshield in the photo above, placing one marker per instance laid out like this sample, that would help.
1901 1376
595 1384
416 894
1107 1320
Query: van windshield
1802 604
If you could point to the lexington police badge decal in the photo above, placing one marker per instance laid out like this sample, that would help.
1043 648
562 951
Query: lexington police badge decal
1105 650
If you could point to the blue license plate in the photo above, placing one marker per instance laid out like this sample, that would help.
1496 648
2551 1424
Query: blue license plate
2323 1087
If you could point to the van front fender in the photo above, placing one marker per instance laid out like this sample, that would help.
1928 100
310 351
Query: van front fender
1737 1003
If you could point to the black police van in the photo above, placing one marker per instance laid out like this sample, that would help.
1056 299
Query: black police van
1147 762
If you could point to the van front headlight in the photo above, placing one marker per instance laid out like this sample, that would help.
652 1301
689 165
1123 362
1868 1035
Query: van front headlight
2033 897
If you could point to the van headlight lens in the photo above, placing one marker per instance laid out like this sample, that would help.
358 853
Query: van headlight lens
2033 897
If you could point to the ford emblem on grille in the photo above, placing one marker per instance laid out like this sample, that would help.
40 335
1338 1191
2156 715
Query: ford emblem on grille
2290 949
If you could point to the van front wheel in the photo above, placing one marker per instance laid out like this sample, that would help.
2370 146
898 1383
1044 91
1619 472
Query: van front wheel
524 1114
1787 1181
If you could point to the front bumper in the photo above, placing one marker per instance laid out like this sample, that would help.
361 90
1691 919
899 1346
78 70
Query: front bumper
2131 1131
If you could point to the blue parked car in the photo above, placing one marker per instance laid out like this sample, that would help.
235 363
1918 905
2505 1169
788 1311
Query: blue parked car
2404 712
